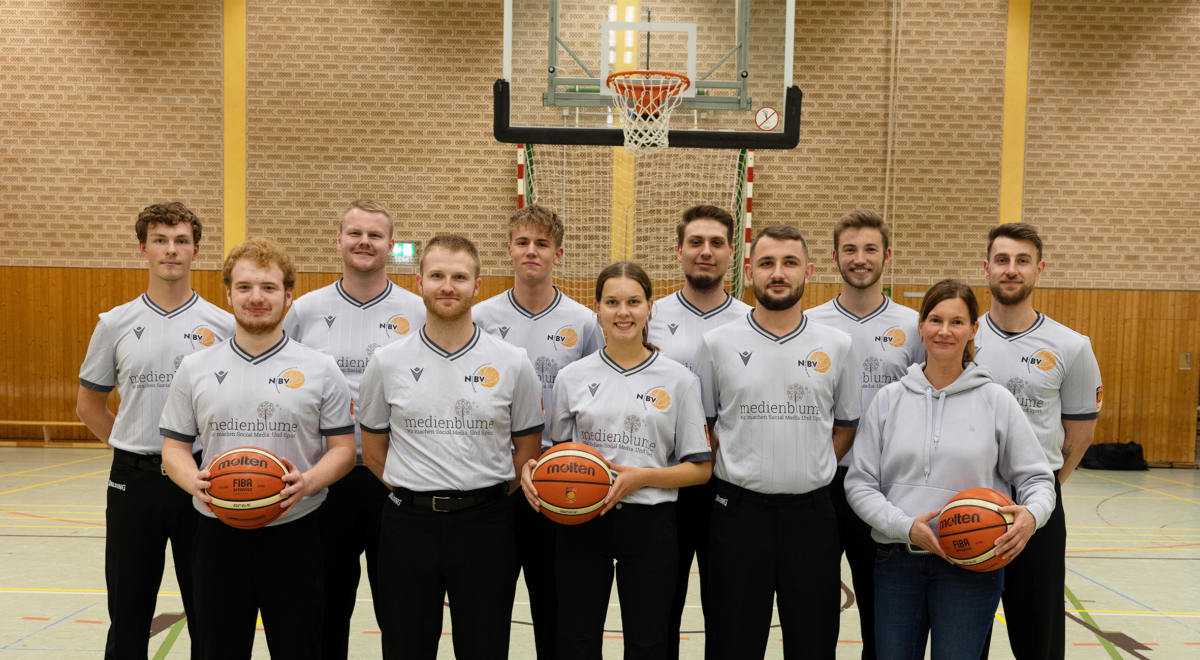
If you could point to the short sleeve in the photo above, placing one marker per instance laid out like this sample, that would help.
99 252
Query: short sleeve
706 371
527 414
1082 392
691 429
374 414
561 420
99 369
847 405
593 336
291 323
336 418
178 419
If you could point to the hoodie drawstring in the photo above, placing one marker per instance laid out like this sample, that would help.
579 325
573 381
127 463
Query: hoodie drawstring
933 433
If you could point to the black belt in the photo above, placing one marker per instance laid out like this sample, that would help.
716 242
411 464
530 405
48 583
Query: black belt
907 547
150 462
772 499
448 501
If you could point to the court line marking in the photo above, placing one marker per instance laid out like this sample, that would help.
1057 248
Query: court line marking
1120 534
1083 614
13 474
17 490
1181 483
105 506
34 515
1153 547
1151 609
52 624
48 527
1182 529
37 590
1123 483
170 640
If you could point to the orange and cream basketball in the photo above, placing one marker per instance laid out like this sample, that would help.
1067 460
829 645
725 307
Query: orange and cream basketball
244 485
969 525
572 481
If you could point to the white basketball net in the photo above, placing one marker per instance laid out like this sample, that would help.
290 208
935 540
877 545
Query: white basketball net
645 100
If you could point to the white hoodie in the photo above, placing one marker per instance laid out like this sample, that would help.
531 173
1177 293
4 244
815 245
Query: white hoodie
917 447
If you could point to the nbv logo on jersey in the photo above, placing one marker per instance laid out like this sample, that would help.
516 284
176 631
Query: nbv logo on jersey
817 361
565 335
655 396
416 372
139 331
1042 359
397 325
200 336
486 376
504 331
329 321
745 355
290 378
672 327
894 337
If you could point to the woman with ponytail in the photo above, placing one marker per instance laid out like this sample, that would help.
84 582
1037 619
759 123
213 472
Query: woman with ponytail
642 412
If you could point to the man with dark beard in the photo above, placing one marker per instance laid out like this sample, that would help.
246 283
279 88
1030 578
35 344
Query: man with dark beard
781 397
704 249
1052 372
886 342
438 412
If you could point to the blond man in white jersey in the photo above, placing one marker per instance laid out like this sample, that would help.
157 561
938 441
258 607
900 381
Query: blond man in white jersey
1052 372
440 414
886 342
259 389
555 331
348 320
781 392
704 249
136 349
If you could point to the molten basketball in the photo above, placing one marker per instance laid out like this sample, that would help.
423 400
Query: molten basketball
969 525
244 484
572 481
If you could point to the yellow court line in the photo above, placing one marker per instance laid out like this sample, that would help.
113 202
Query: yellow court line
1181 483
1141 535
25 518
1109 497
38 512
1119 527
53 527
73 591
85 506
1148 490
1001 619
42 476
82 460
15 490
1165 547
1137 612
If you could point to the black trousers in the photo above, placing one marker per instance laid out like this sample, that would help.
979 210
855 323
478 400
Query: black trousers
768 547
855 538
536 541
1033 592
642 541
239 572
145 508
349 521
469 555
693 517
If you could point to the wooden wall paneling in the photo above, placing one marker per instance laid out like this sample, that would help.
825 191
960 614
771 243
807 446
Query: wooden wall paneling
1158 401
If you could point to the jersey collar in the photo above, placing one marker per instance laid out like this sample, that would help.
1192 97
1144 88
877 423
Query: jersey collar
387 291
631 371
778 340
174 312
261 357
696 310
530 315
1013 336
447 354
861 319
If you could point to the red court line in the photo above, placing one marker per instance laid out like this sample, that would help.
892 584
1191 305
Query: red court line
1151 547
30 515
1192 643
614 637
372 632
686 639
35 618
848 641
78 621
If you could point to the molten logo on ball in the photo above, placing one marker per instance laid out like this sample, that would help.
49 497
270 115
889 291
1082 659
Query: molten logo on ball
571 468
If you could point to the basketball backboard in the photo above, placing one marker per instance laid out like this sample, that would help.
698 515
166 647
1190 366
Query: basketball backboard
737 55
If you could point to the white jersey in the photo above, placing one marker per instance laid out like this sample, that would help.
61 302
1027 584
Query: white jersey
451 417
775 401
647 416
138 347
676 325
1052 372
283 400
333 322
886 341
555 337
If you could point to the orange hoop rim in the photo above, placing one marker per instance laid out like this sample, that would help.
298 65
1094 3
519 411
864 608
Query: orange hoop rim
655 90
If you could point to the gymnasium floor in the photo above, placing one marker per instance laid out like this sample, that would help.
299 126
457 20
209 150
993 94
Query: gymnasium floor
1133 570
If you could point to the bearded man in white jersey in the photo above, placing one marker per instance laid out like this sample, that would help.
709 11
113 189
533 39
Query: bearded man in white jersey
1052 372
704 249
886 342
555 331
235 395
136 348
348 320
781 392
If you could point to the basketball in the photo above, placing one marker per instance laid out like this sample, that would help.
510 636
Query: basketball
572 481
969 525
244 484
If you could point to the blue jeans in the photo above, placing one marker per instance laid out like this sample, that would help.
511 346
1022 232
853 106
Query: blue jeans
916 595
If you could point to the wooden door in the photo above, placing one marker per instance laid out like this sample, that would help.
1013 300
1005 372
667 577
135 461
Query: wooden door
1157 403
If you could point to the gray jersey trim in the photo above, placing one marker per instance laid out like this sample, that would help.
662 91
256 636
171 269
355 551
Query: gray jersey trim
447 354
696 310
631 371
846 423
1081 417
387 291
1013 336
530 315
261 357
174 312
383 431
861 319
341 430
97 387
529 431
176 435
697 458
778 340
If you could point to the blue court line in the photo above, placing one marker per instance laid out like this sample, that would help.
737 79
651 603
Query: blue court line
49 626
1131 599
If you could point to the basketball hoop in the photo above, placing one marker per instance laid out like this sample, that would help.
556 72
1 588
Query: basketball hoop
646 99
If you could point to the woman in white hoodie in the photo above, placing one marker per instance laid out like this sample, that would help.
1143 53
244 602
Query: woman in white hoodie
943 428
